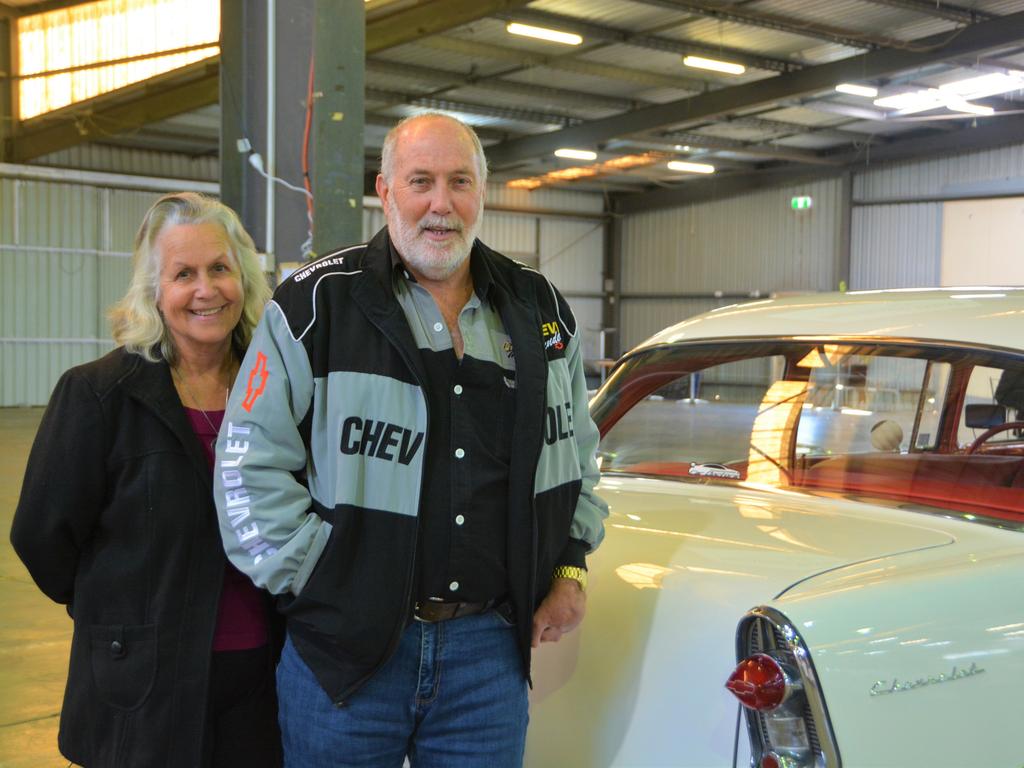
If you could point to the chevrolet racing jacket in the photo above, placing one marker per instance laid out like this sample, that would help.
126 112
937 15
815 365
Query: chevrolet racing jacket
330 524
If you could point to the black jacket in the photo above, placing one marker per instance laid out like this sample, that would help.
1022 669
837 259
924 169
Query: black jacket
116 520
338 543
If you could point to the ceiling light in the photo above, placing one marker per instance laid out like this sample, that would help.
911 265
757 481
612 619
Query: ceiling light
986 85
576 154
959 105
542 33
679 165
857 90
699 62
523 183
911 101
955 95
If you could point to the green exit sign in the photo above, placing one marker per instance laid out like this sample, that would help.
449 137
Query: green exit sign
802 203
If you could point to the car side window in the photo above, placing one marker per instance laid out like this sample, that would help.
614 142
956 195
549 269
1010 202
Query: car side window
860 403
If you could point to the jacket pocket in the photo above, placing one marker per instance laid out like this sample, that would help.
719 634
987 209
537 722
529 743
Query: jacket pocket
123 660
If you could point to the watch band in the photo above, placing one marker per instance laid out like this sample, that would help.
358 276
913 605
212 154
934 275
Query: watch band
574 572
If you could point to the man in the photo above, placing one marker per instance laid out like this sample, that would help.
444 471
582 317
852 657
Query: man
408 462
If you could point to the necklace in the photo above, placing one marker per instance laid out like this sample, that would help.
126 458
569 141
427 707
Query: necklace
206 416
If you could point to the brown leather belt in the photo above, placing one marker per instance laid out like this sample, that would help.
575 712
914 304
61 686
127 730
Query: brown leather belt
436 610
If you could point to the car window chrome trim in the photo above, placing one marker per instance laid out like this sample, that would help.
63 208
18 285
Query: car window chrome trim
812 687
898 341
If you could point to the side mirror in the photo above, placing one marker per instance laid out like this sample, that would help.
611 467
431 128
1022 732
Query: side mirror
982 416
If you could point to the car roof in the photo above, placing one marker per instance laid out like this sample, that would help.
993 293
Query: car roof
989 317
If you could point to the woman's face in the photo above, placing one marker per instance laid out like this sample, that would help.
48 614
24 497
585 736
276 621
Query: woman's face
200 293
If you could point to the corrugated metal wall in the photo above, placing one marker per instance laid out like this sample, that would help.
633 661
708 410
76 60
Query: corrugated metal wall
64 258
895 246
752 242
943 177
896 239
169 165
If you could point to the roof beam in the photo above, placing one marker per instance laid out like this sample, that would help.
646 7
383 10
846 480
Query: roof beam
978 38
939 10
451 80
651 42
566 63
430 17
472 108
814 30
756 150
128 108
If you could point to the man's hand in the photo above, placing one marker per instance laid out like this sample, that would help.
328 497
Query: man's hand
560 612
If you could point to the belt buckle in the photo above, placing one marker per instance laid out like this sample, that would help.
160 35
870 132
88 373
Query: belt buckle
432 612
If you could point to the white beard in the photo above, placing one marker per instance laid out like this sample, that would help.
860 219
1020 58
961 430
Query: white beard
433 261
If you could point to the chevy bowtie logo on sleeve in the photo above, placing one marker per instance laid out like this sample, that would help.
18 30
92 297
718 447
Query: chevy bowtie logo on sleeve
379 439
552 335
257 382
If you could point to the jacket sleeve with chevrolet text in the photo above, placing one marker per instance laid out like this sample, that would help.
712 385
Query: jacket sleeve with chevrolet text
320 459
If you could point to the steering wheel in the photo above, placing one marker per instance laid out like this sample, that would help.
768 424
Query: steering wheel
988 434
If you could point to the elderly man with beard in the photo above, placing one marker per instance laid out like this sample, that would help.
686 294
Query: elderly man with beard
407 461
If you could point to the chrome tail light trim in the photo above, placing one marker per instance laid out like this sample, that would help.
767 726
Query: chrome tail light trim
784 637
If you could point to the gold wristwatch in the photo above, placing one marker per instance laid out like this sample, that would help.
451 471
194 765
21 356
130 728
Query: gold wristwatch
577 574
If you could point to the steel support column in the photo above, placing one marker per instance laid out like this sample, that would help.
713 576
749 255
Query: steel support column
337 167
7 87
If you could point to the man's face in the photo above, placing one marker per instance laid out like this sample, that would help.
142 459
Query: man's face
434 200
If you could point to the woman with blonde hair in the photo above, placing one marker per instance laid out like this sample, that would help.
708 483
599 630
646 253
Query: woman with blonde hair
173 650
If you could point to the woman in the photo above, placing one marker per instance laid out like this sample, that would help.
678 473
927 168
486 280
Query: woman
172 654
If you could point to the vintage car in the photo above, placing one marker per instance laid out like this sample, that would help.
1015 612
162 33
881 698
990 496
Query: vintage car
814 555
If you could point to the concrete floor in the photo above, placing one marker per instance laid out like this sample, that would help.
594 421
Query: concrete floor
35 633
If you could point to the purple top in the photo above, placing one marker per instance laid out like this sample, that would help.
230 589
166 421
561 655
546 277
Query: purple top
242 613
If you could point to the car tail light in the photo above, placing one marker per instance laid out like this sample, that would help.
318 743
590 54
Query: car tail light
778 687
759 682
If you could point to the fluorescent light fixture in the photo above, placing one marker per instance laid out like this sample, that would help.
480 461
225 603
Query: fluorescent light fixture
912 101
956 95
857 90
576 154
986 85
699 62
959 105
679 165
542 33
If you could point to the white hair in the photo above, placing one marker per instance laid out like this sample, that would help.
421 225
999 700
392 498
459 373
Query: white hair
135 321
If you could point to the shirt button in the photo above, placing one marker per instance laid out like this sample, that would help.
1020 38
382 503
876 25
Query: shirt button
459 519
457 389
453 586
459 453
438 327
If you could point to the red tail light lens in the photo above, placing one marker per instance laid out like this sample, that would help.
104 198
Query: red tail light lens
759 682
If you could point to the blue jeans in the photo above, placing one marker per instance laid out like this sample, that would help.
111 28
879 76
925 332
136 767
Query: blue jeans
454 694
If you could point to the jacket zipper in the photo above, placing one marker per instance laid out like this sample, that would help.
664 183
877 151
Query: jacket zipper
396 637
